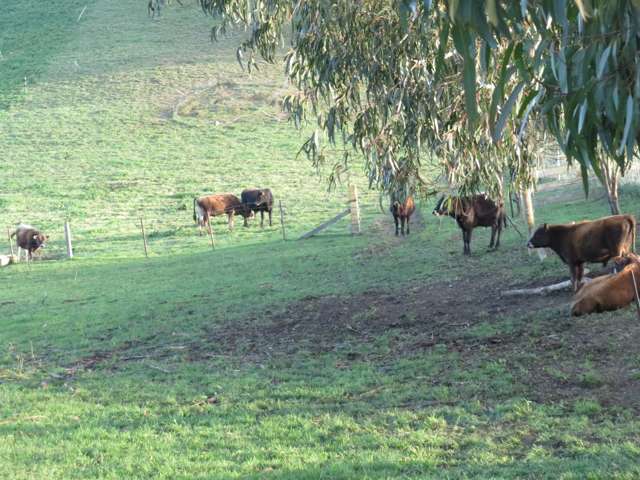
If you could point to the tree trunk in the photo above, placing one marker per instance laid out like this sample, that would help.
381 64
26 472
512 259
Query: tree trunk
611 177
528 209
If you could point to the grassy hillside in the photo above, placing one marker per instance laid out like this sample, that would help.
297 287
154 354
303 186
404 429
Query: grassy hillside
338 357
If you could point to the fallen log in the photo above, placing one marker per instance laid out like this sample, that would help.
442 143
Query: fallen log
542 290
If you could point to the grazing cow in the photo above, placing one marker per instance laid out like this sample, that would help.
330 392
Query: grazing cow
471 212
609 292
589 241
402 210
258 200
214 205
29 239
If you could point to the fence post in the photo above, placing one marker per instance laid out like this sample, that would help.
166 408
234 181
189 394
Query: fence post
213 245
67 237
354 207
144 238
284 234
10 242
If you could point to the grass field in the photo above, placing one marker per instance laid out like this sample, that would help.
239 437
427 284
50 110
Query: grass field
337 357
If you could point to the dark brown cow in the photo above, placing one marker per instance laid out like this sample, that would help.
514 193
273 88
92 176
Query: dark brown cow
402 211
609 292
258 200
29 239
219 204
589 241
471 212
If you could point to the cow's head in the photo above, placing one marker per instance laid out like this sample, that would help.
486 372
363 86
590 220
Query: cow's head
39 240
541 237
442 207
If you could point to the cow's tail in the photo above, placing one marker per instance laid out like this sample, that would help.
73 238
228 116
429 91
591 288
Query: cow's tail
15 232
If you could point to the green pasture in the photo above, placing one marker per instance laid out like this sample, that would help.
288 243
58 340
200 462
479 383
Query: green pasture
339 357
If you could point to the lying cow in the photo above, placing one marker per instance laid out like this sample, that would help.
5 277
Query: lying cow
609 292
402 210
471 212
214 205
589 241
29 239
258 200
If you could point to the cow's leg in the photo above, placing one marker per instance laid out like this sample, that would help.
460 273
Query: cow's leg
498 233
408 218
493 237
574 277
579 275
469 232
395 220
402 225
245 219
230 220
261 218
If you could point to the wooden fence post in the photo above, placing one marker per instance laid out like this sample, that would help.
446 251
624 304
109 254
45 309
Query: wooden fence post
144 238
213 245
67 237
284 234
354 208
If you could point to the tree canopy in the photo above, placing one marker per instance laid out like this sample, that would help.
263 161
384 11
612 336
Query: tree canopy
455 85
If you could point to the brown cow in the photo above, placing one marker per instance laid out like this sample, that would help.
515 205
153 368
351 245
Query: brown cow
402 210
609 292
471 212
589 241
29 239
219 204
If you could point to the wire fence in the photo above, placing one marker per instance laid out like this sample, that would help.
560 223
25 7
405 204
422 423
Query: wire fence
171 230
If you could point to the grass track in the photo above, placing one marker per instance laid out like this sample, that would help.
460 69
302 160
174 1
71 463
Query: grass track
337 357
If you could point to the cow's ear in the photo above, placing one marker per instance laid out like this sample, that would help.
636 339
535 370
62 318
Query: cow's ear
35 236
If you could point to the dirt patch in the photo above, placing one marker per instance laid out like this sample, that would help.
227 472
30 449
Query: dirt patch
554 357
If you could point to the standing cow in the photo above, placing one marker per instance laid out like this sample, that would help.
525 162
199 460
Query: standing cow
589 241
402 211
258 200
219 204
29 239
471 212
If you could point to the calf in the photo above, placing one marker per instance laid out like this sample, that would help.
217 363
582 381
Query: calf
214 205
588 241
609 292
258 200
29 239
402 210
471 212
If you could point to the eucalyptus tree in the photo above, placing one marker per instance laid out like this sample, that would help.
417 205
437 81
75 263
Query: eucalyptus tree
451 84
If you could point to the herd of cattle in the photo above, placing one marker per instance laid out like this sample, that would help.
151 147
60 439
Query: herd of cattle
576 243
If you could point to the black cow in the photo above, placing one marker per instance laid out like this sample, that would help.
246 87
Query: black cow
258 200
